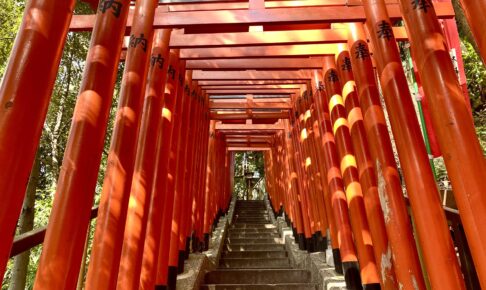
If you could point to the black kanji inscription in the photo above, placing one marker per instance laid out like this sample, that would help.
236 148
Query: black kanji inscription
135 41
362 51
332 77
346 64
385 30
115 6
157 59
171 72
421 5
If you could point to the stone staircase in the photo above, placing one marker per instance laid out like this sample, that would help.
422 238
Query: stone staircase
254 256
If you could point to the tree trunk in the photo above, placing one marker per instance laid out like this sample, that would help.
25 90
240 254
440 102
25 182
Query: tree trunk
463 25
26 223
82 271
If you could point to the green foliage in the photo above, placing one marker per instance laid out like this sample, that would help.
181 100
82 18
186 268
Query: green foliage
476 79
10 18
58 120
248 162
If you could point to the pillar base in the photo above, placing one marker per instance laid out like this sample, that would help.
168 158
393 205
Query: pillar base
373 286
196 244
301 241
188 248
206 242
172 278
309 245
351 276
338 264
160 287
180 262
322 240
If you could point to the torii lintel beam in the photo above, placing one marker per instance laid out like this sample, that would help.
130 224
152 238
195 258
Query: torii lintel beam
254 128
245 116
255 38
238 82
249 148
165 19
261 63
230 105
270 91
260 51
252 75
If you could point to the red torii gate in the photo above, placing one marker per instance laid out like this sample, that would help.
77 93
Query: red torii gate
167 157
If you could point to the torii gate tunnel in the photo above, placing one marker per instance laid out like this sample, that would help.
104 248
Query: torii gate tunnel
300 81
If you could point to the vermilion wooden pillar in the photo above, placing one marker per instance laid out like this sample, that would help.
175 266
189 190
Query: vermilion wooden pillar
173 170
118 178
301 159
349 171
475 11
149 143
367 177
24 97
190 174
405 258
66 234
438 252
203 162
209 180
182 178
346 252
199 178
141 198
301 224
301 178
317 134
452 122
164 173
315 168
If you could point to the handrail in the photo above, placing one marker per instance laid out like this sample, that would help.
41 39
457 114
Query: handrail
30 239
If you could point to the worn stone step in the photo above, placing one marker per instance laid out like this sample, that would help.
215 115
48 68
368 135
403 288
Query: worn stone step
253 225
278 253
258 276
252 263
286 286
246 221
246 235
265 240
250 214
251 231
253 247
236 217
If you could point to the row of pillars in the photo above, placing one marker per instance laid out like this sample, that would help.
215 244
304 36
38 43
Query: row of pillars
160 151
167 179
333 168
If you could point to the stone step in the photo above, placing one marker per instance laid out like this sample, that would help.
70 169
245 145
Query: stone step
286 286
252 231
253 247
249 263
249 217
250 221
245 235
262 225
251 214
258 276
265 240
274 254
